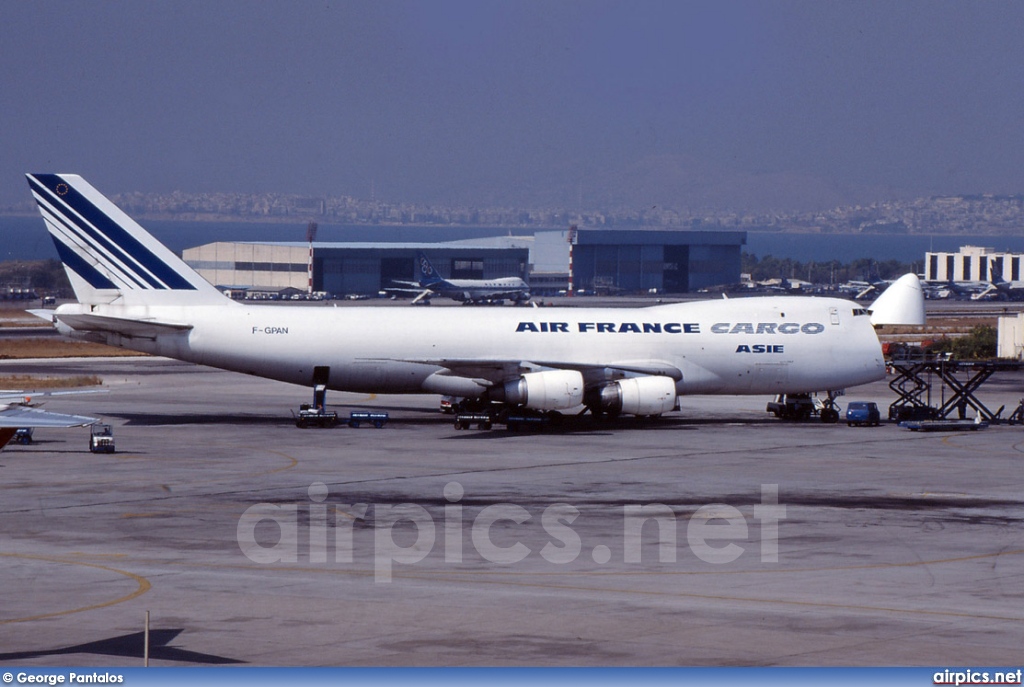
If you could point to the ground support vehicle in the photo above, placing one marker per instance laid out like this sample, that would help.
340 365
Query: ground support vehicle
467 420
799 407
101 438
377 419
862 414
315 416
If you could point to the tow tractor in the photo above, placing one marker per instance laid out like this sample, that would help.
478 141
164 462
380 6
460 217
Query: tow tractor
101 438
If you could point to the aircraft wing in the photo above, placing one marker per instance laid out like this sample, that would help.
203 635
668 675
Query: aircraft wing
141 328
23 416
21 396
654 368
500 371
17 415
420 292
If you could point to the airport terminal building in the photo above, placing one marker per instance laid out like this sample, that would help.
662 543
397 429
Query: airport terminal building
973 263
608 261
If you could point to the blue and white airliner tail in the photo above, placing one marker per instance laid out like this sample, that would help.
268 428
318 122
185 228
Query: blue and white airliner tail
428 275
135 293
107 256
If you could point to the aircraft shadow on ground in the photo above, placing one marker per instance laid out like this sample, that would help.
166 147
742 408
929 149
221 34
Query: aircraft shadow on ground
568 424
129 646
151 419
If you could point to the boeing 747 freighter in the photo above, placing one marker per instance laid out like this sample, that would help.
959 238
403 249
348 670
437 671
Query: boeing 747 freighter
135 293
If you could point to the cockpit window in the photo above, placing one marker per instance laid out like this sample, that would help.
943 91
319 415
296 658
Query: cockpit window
861 311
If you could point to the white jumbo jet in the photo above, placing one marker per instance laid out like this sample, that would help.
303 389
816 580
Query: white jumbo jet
135 293
469 291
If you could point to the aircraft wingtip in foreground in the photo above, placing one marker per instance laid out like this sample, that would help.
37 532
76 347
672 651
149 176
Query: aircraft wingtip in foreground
16 412
135 293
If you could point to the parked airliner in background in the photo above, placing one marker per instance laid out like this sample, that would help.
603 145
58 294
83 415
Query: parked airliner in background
135 293
999 287
469 291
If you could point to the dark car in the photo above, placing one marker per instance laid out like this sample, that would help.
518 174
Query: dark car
862 413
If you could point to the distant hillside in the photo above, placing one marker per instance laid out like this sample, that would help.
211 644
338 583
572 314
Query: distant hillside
675 182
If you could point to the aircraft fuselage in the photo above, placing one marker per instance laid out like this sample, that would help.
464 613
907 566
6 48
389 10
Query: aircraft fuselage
738 346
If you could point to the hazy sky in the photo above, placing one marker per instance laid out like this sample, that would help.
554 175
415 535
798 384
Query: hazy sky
520 101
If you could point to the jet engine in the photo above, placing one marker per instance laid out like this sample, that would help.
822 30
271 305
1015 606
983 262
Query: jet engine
549 390
634 396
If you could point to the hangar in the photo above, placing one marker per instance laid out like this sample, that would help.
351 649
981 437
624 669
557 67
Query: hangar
348 268
612 261
640 260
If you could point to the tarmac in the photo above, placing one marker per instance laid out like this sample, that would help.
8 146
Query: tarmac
714 536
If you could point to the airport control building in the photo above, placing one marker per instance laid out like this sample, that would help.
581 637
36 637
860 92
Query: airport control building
609 261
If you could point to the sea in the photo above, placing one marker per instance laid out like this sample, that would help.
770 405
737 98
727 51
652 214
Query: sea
25 238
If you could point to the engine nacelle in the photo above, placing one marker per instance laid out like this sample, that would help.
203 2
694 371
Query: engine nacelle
636 396
550 390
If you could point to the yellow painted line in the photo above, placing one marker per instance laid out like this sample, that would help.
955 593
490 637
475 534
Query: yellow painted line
143 587
947 440
293 461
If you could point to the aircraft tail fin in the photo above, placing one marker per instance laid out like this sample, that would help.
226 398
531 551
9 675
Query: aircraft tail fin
107 256
996 274
901 303
428 275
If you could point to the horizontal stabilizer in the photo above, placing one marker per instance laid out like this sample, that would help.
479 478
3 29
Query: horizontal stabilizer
140 329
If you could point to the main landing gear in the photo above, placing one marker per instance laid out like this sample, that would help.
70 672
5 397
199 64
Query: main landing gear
829 411
801 407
